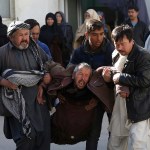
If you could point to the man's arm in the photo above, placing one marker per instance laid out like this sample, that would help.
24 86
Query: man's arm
141 76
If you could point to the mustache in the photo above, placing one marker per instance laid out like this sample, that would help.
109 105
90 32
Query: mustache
82 81
24 41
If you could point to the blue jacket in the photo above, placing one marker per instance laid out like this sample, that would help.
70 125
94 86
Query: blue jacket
45 48
101 57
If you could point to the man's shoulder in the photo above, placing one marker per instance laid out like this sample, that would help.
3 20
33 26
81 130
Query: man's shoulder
79 50
5 49
42 45
140 52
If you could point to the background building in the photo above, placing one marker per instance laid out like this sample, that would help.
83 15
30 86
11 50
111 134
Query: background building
115 10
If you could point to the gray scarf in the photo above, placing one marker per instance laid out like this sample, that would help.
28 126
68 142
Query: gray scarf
13 100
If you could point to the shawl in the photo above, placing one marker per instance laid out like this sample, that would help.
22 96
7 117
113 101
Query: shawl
13 100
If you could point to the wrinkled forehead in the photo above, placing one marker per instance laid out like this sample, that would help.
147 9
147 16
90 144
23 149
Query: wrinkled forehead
84 70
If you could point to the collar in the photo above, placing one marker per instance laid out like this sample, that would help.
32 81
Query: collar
100 49
130 57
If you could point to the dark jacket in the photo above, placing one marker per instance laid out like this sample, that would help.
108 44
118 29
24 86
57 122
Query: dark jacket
101 57
68 37
3 33
139 31
24 60
52 36
136 75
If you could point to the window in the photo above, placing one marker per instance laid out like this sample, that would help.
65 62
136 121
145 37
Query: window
5 8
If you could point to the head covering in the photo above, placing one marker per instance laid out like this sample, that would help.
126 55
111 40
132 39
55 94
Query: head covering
62 15
93 14
50 15
16 25
82 29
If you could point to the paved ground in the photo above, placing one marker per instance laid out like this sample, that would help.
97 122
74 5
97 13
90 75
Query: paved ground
6 144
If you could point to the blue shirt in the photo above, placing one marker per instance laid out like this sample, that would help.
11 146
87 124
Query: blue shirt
45 48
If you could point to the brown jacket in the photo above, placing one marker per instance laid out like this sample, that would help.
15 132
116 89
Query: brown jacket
97 85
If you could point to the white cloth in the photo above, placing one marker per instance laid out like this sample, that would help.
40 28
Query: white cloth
119 131
119 115
140 135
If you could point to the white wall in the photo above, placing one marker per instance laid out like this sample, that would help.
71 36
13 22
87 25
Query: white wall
36 9
148 8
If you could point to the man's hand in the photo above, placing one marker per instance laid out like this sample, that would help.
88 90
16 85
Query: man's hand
40 98
47 78
61 98
106 74
8 84
91 105
123 94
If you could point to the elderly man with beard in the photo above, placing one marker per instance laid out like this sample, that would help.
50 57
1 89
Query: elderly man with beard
29 122
79 90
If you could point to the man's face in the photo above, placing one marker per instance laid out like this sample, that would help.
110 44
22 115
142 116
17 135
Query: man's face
95 38
35 31
20 38
132 14
81 77
124 46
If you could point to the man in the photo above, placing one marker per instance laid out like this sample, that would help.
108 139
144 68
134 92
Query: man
140 29
135 75
77 91
96 51
35 32
29 125
75 97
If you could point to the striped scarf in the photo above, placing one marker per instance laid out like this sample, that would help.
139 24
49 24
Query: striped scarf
13 100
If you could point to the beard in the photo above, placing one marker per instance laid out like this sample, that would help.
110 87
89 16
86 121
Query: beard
23 45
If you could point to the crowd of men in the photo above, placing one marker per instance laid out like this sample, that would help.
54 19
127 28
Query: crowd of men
43 69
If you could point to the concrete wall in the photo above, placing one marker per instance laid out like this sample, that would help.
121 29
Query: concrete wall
37 9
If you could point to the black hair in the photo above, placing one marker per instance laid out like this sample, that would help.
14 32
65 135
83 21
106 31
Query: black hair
120 31
93 24
32 23
133 7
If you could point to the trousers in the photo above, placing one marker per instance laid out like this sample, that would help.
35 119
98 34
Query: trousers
140 135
